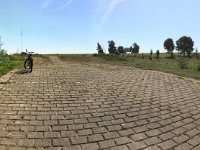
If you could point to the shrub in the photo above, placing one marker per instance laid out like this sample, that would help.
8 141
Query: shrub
157 54
16 57
183 64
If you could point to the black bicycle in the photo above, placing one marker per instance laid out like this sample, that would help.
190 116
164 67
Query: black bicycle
28 64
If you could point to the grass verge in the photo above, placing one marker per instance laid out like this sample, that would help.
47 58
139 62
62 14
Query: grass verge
180 66
8 66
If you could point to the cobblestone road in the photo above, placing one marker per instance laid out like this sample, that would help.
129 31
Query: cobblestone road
71 106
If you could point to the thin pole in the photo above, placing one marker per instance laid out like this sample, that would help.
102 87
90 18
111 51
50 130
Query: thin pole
22 40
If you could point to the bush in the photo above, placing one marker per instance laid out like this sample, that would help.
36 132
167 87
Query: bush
183 64
16 57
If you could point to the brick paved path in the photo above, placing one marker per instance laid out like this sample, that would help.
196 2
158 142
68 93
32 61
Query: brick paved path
71 106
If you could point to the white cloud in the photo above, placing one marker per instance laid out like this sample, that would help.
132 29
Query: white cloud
66 4
46 4
108 10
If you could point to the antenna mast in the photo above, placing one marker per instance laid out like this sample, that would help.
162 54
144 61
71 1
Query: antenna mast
21 40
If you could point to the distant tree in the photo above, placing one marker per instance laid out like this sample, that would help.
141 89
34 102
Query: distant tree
157 54
131 49
196 53
185 45
135 48
120 49
151 54
111 47
169 46
99 49
3 52
142 56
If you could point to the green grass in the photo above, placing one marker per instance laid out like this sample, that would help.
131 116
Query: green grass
7 66
163 64
9 63
169 66
80 58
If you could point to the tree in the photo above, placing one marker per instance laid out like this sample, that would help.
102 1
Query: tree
3 55
3 52
151 54
111 47
185 45
157 54
169 46
120 49
99 48
135 48
131 49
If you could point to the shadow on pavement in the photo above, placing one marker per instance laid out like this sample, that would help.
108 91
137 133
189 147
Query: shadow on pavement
24 71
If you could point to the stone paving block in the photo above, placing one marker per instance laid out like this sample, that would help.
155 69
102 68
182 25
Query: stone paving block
152 141
155 147
3 147
99 130
184 146
78 140
106 144
8 142
138 137
85 132
114 128
180 139
196 148
126 132
95 138
167 144
154 132
51 135
41 128
26 142
61 142
194 141
43 142
35 135
76 147
89 146
59 128
75 127
179 130
90 125
140 129
123 147
137 145
53 148
122 140
16 148
111 135
192 132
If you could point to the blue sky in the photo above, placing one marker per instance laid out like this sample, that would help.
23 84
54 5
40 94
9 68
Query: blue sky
75 26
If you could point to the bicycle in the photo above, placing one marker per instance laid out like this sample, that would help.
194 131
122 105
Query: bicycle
28 63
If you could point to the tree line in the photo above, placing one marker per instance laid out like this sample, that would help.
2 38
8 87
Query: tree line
184 45
112 49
